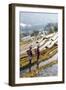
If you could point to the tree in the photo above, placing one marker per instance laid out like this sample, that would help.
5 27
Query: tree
55 29
35 33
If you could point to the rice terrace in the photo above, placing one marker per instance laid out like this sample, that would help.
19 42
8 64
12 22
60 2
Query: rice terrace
38 45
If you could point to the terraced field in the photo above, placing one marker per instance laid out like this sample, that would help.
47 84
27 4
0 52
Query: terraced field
48 51
45 56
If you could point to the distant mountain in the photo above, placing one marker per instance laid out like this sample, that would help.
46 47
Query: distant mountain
51 27
28 29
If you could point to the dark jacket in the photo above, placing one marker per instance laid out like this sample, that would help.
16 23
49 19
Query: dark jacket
29 52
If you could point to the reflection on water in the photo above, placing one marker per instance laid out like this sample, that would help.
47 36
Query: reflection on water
49 71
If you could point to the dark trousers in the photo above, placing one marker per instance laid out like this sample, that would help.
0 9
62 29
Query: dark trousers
30 65
37 61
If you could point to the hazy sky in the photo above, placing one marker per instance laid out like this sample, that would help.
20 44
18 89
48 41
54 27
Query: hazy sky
37 18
